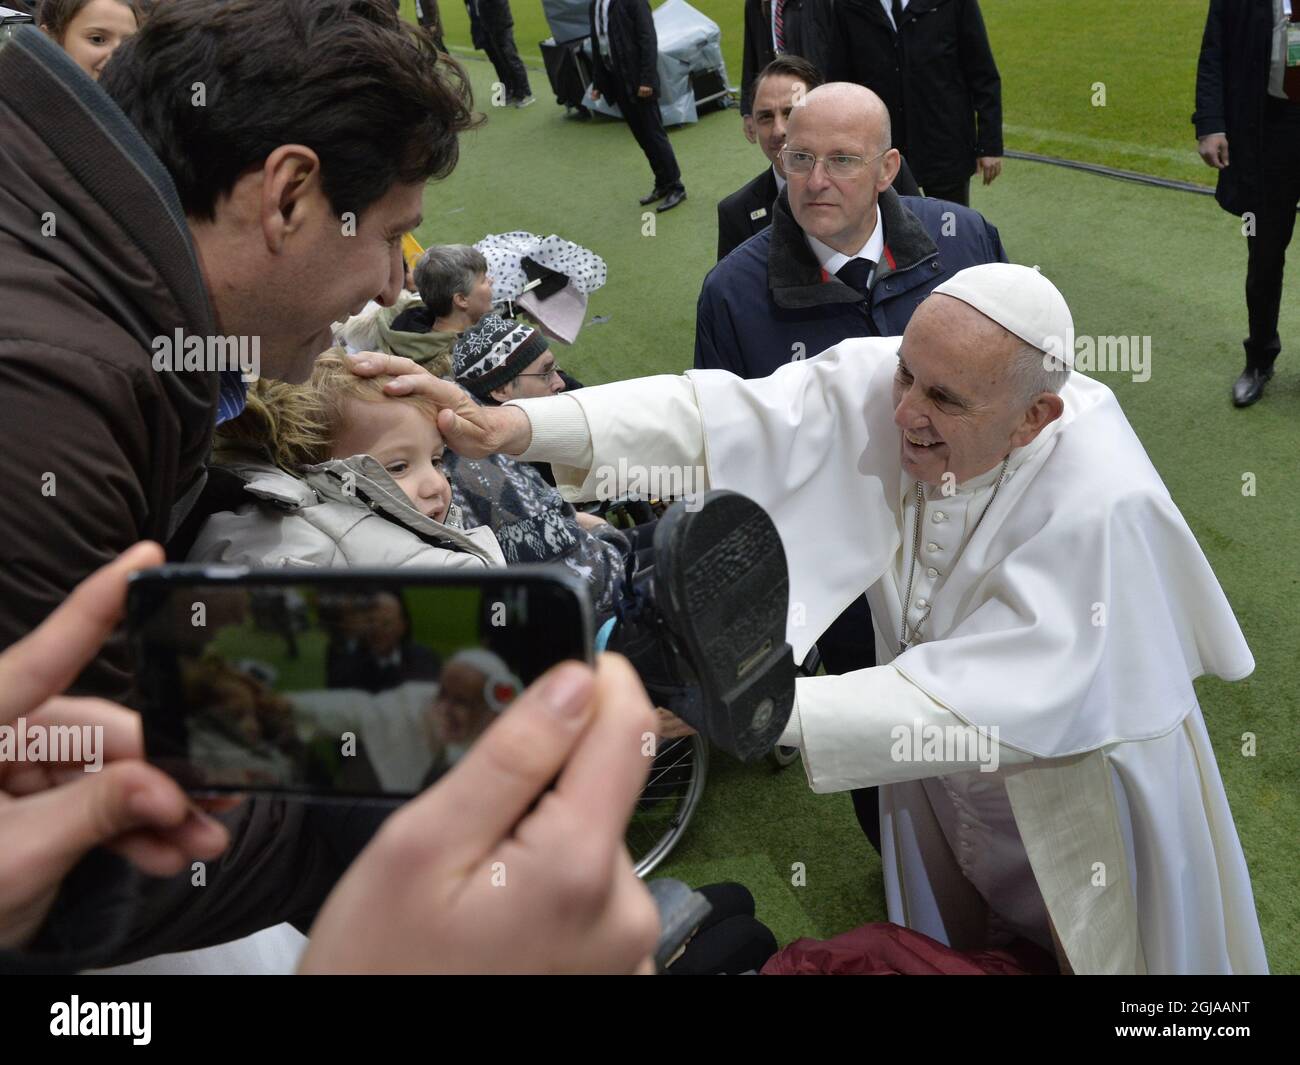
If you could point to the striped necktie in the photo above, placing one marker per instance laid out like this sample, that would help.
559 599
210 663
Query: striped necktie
778 25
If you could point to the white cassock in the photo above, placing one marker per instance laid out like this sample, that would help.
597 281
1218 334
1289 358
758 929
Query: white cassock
1073 621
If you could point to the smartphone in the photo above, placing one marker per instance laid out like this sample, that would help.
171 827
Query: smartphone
338 684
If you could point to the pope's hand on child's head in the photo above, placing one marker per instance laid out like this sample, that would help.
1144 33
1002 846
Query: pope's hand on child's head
467 428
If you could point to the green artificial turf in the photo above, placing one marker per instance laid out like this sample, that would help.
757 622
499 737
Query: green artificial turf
1131 260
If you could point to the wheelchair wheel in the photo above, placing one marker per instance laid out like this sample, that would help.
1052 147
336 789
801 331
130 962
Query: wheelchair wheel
783 756
668 802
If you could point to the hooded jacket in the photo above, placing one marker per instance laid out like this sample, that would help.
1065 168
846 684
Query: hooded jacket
96 262
341 513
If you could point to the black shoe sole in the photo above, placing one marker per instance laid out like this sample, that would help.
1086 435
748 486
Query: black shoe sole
722 586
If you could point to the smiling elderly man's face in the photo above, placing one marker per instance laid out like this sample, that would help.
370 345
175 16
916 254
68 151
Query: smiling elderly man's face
958 398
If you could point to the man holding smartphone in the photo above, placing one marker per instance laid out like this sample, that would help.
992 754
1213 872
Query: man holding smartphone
422 897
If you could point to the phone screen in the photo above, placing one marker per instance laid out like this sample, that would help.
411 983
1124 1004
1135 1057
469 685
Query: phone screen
346 685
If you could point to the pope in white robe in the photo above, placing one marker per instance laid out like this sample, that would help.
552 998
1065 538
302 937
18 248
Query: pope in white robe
1041 610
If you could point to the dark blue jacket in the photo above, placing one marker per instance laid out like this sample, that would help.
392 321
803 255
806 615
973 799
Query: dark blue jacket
769 302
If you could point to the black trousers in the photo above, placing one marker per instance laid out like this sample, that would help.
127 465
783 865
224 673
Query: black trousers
847 645
499 44
958 193
1274 224
647 126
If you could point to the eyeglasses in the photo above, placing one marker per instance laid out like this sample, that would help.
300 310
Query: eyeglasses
837 166
548 376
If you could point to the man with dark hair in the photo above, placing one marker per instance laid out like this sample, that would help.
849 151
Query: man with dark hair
625 69
1248 97
930 61
779 88
147 239
782 27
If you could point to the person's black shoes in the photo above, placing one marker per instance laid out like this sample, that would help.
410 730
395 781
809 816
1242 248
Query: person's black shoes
1250 386
705 628
674 198
655 194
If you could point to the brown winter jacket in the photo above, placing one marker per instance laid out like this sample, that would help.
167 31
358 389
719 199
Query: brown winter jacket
95 261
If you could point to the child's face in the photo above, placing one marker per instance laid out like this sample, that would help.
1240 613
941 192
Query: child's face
95 32
402 439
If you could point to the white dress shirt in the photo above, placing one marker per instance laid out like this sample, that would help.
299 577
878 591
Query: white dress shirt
831 260
1277 57
602 27
889 12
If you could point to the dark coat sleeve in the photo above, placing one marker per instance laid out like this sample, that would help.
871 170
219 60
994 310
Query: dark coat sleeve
74 430
819 34
1211 108
982 80
731 231
716 345
749 60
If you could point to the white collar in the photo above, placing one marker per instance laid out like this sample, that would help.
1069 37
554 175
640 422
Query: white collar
831 260
780 181
989 477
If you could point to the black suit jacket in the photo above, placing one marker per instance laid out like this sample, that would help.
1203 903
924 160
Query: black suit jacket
807 31
635 48
748 210
936 75
1231 90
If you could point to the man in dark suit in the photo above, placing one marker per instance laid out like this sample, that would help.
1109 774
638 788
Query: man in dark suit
492 29
930 61
778 89
1248 96
796 27
625 70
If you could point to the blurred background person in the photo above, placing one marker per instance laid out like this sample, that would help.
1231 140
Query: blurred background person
1248 101
931 62
625 70
492 29
428 15
384 654
779 88
88 30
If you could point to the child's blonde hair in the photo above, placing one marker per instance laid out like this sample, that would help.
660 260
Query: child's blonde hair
296 425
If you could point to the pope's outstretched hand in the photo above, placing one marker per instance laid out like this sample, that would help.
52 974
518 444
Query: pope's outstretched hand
468 429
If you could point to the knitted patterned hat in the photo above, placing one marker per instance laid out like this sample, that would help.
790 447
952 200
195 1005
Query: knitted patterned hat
493 352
